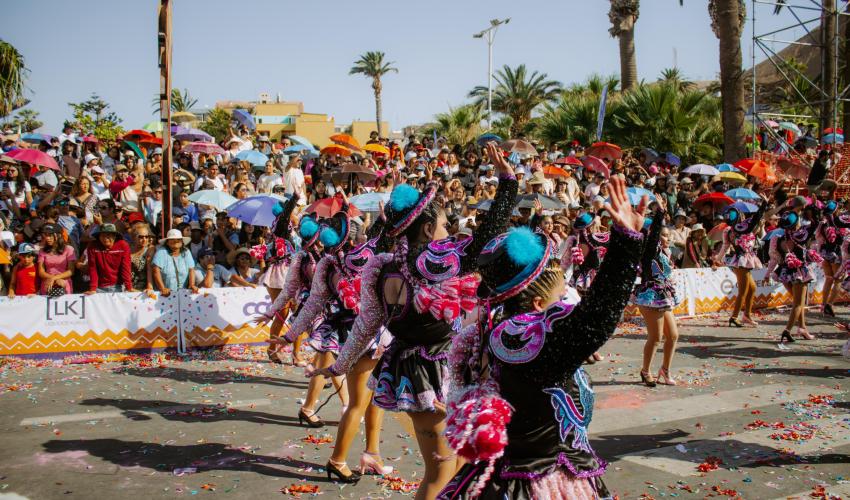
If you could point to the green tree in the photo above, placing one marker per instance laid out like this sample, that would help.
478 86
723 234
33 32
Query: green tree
13 73
93 117
460 125
518 94
674 77
372 65
27 120
180 101
217 124
574 117
623 16
594 84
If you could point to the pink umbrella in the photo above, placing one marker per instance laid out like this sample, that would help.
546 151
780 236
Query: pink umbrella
209 148
595 164
33 157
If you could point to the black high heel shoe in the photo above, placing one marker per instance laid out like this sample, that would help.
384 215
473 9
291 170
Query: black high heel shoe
303 417
786 337
332 469
827 310
647 379
734 322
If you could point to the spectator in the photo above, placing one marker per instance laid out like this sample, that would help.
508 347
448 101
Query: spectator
210 179
208 274
293 179
243 272
99 183
24 274
697 250
269 179
141 254
679 234
108 259
56 262
14 189
197 242
173 264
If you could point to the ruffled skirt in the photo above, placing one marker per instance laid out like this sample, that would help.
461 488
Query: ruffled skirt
557 484
655 295
411 378
275 275
830 256
327 336
788 276
747 260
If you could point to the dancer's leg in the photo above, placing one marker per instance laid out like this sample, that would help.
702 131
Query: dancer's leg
740 276
438 456
360 397
671 336
828 280
654 320
750 299
796 305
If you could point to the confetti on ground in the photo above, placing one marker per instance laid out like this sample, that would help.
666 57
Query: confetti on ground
396 483
296 490
711 463
323 439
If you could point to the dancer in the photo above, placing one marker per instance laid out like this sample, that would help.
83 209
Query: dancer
738 252
829 241
299 277
278 256
336 292
522 422
418 292
790 258
584 252
656 297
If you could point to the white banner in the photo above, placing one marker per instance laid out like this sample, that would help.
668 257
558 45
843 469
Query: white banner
219 316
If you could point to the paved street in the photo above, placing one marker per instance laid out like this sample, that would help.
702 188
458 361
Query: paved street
759 422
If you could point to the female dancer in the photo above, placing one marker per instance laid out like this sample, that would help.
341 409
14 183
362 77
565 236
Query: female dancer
335 292
532 367
296 286
738 252
790 258
656 297
585 251
417 292
278 256
829 239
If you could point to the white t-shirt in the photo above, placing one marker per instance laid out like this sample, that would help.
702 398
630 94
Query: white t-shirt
591 190
293 181
217 183
266 182
20 198
484 178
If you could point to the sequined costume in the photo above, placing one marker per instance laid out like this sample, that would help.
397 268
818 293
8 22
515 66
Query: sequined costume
790 256
830 236
536 359
738 242
585 267
278 254
411 374
656 289
296 287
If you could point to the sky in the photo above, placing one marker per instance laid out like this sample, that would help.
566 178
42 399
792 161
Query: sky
226 50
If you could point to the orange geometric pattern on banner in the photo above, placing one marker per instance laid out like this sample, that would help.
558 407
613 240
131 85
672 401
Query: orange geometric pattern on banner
228 335
87 341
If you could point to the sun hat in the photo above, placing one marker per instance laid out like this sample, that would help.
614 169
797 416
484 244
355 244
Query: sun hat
537 178
680 213
510 262
196 226
120 168
234 254
107 229
697 227
97 170
175 234
89 157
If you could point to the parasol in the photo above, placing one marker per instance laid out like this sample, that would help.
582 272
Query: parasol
347 141
519 146
605 150
716 200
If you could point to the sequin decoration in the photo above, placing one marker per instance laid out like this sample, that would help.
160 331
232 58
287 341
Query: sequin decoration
568 414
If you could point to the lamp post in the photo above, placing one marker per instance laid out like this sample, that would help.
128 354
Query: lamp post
489 34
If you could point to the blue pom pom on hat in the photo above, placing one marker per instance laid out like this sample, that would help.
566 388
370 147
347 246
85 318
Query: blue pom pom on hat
329 237
523 246
403 197
308 227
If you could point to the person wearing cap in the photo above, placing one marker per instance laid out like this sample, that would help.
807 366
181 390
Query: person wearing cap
173 265
536 344
697 251
56 262
25 273
487 175
99 182
208 274
108 258
679 234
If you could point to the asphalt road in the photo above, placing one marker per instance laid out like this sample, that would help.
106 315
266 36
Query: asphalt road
760 423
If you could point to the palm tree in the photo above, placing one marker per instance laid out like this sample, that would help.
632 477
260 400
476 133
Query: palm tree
13 72
460 125
675 77
518 93
180 101
594 85
727 22
372 65
574 117
623 16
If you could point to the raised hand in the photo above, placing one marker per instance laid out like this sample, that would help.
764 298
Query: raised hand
497 160
621 210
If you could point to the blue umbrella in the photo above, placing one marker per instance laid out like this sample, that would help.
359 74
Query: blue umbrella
297 148
244 118
742 206
35 138
299 140
369 202
256 210
833 139
213 198
671 158
485 138
776 233
253 157
636 194
484 206
742 194
726 167
651 154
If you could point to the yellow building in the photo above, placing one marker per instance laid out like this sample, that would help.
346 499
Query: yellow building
283 118
361 130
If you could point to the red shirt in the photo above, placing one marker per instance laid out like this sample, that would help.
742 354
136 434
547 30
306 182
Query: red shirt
26 280
109 267
116 186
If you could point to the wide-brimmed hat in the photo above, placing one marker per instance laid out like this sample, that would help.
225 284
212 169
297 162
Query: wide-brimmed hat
175 234
697 227
107 229
406 204
536 178
309 230
233 254
510 262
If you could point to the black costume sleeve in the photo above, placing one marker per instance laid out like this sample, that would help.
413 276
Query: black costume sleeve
495 223
650 249
281 224
569 341
753 221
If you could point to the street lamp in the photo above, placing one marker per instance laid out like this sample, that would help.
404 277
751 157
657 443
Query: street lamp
489 34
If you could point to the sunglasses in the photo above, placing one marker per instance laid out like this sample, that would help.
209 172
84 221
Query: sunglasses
145 237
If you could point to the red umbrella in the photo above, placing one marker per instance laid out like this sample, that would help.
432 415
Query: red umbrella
605 150
346 140
137 135
553 171
596 165
327 207
33 157
717 200
90 138
568 160
747 164
154 141
793 168
203 147
764 172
